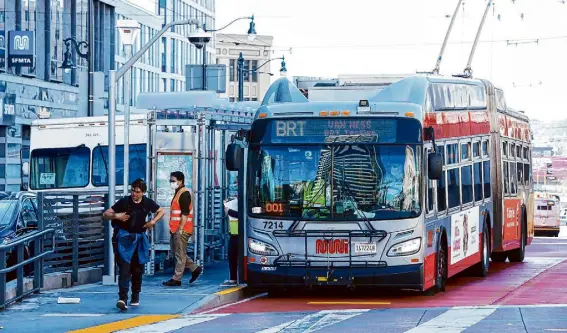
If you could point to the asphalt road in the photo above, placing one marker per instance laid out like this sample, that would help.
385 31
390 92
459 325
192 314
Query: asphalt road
524 297
515 297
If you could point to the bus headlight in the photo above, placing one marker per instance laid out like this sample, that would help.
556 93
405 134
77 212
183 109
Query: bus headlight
406 248
261 248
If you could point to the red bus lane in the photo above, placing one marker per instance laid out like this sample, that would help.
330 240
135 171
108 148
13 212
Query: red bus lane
532 282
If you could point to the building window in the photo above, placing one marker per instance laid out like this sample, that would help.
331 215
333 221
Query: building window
163 54
247 70
57 46
2 35
254 73
173 56
29 24
231 69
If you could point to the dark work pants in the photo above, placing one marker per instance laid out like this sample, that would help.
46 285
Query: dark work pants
127 271
233 256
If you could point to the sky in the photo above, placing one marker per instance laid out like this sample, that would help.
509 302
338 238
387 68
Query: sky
325 38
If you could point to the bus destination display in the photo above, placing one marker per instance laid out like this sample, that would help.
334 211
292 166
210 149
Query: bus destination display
329 130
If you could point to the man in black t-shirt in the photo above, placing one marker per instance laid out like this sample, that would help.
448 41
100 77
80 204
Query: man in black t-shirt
130 241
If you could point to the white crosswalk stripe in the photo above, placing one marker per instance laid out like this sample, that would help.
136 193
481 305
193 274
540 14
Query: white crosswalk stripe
314 322
174 324
454 320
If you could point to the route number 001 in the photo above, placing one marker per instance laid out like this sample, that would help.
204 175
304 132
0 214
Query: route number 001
274 208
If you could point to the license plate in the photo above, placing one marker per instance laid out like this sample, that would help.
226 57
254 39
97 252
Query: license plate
364 247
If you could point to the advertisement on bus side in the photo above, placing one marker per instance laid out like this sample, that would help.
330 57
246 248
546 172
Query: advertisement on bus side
465 239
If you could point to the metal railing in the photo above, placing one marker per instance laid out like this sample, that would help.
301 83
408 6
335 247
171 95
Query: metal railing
77 220
36 258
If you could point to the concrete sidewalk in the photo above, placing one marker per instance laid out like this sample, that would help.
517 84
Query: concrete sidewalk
42 313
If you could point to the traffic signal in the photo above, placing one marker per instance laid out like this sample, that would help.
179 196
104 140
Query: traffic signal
549 169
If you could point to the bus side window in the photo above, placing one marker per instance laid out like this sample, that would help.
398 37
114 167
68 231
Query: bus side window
453 187
441 193
486 178
477 171
506 173
430 207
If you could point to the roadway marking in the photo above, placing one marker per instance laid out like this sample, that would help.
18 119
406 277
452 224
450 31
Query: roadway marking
315 322
229 290
73 315
235 303
125 324
538 243
174 324
454 320
349 303
556 329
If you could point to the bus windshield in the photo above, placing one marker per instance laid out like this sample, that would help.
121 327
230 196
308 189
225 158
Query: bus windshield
335 182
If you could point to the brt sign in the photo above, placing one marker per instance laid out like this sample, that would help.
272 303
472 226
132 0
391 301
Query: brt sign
21 48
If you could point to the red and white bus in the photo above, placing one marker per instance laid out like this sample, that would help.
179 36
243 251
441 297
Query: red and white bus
547 214
428 178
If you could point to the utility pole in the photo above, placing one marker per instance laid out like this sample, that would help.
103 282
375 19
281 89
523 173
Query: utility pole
91 69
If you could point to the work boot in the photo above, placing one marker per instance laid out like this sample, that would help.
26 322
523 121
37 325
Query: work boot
135 301
121 304
196 274
171 283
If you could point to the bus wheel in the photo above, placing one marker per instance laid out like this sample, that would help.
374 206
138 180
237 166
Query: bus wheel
440 268
481 269
518 255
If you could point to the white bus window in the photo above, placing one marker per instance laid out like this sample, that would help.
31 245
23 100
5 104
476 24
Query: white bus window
506 178
452 153
520 173
486 178
137 164
453 188
513 182
476 149
465 151
467 184
59 168
441 193
477 171
485 148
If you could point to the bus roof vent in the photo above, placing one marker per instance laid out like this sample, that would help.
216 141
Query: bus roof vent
283 91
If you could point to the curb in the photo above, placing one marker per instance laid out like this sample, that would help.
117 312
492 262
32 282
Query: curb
221 298
53 281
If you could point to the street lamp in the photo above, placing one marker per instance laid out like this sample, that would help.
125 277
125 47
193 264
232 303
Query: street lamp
113 77
241 70
202 36
68 63
129 30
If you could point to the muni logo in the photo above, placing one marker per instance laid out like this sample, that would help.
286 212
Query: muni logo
333 246
21 43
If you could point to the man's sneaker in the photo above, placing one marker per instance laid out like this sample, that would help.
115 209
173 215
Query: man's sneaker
196 274
171 283
121 304
229 283
135 301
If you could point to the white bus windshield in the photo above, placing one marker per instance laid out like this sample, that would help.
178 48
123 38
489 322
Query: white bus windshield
335 182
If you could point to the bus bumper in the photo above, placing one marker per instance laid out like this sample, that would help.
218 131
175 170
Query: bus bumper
406 276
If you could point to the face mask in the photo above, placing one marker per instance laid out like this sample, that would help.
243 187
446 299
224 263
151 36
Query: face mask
173 186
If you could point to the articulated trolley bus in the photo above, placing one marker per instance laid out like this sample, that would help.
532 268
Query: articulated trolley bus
547 215
428 178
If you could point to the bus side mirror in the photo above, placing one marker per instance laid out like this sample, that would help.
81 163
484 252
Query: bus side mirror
233 157
435 163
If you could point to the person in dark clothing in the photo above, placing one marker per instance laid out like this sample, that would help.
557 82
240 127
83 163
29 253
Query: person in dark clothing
181 229
231 210
130 241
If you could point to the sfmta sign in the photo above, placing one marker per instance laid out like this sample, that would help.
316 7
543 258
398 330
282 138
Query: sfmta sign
21 48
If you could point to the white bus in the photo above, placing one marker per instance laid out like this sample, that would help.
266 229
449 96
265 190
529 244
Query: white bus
72 154
547 214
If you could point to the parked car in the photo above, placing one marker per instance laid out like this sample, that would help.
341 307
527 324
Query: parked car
18 217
